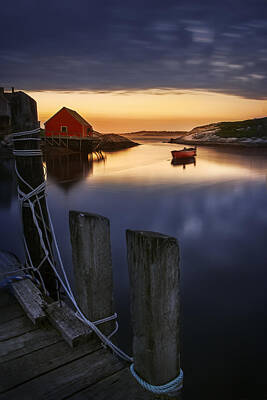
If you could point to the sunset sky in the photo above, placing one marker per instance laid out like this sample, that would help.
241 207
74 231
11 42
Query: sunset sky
132 65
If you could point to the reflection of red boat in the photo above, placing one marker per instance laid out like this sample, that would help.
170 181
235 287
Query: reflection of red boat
186 152
183 161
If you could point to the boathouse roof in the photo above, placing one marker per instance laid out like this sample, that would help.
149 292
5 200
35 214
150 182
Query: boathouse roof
74 114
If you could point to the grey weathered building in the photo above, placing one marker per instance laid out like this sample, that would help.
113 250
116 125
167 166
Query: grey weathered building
18 111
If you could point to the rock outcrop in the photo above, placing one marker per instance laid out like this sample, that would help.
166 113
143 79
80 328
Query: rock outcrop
251 132
111 142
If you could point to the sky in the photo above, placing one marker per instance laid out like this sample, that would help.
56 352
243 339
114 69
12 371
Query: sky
131 65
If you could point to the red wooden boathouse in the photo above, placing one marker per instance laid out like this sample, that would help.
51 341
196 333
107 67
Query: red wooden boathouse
67 122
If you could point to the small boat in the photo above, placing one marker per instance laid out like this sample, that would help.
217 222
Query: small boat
186 152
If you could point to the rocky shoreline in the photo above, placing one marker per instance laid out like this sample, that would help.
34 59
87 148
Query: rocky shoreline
113 142
222 143
248 133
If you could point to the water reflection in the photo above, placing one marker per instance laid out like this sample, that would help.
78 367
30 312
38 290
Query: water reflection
184 162
217 210
149 164
67 170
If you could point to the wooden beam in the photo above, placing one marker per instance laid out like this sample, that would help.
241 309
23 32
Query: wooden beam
65 321
30 299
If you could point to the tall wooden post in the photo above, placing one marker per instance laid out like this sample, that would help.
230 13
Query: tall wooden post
153 261
30 168
91 255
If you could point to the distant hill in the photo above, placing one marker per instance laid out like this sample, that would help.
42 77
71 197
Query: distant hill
251 131
154 133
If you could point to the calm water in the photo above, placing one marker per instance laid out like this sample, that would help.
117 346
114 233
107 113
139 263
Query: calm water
218 211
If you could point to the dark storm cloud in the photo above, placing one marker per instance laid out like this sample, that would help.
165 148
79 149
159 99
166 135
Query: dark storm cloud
133 45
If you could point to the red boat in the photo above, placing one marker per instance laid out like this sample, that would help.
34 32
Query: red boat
186 152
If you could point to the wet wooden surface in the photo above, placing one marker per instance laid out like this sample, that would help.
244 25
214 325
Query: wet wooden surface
37 363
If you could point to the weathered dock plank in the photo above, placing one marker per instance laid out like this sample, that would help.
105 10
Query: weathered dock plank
37 363
17 371
6 299
69 379
119 386
30 299
15 327
27 342
10 312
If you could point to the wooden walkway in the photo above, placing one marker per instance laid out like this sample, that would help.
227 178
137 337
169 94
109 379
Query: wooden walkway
36 363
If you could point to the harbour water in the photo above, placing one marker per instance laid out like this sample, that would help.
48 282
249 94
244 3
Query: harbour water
217 209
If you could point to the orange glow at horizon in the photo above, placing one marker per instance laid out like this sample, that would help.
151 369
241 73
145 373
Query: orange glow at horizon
149 109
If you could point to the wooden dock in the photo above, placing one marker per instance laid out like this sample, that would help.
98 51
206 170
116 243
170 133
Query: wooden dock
47 348
37 363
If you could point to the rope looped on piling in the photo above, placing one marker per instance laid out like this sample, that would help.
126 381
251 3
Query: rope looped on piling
168 388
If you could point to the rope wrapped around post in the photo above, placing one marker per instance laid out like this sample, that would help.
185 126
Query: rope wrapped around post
172 387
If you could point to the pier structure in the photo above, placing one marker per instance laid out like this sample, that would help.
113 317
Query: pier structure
78 144
57 342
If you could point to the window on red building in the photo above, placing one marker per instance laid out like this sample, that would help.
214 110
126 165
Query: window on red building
64 129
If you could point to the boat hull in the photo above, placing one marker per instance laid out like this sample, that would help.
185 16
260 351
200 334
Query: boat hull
183 154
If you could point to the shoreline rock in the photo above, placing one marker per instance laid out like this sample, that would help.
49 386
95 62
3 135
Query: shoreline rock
249 133
234 143
113 142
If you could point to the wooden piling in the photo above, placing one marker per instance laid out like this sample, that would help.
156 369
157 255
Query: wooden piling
31 170
91 255
153 261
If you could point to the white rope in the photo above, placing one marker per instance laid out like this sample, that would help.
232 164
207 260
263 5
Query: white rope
26 139
26 133
15 271
27 199
27 153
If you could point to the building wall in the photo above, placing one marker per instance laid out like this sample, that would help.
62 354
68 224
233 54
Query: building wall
5 114
23 111
4 107
18 112
63 118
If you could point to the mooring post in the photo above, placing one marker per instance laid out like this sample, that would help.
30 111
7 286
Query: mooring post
31 175
153 261
91 255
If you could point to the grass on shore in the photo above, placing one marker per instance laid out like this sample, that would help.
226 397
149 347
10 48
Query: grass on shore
243 129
